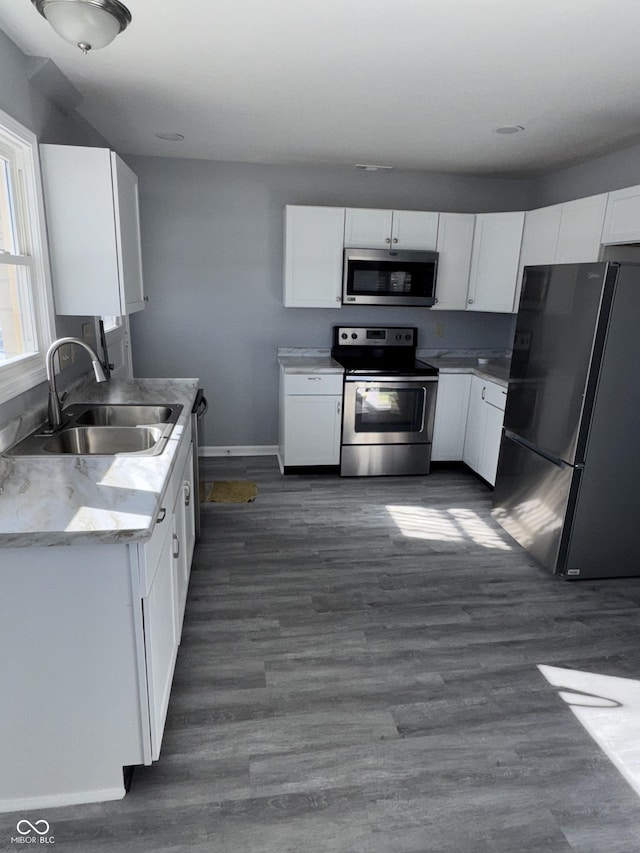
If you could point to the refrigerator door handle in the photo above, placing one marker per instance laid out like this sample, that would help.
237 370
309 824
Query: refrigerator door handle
517 439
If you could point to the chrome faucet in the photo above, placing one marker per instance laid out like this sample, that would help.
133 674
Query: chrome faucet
55 413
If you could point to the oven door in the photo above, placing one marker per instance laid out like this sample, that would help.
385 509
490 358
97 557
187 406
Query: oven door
389 410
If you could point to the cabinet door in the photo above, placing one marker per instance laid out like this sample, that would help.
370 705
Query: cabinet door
581 230
495 261
94 233
475 426
312 430
367 229
540 236
184 532
539 240
161 642
414 230
78 195
450 423
313 257
455 240
494 418
127 220
622 218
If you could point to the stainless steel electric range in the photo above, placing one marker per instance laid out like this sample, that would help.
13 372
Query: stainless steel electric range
389 401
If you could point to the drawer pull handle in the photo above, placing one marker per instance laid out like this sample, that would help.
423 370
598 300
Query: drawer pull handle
314 378
162 514
176 550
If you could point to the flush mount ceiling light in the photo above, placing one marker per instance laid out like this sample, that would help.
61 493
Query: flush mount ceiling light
88 24
167 136
370 167
509 128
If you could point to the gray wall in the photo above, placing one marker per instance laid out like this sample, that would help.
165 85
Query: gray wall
212 251
604 174
21 97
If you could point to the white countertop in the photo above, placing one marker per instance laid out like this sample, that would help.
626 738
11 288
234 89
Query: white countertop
313 361
89 499
309 364
496 369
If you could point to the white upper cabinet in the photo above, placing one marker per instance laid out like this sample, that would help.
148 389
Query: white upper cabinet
540 236
622 219
580 231
455 241
313 244
91 203
396 229
495 260
563 234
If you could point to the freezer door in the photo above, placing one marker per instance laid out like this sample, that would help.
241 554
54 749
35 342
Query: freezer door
557 345
534 500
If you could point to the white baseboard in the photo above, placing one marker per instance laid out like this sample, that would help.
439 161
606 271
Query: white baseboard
240 450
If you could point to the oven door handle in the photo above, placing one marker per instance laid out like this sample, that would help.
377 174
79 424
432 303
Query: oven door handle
377 378
424 408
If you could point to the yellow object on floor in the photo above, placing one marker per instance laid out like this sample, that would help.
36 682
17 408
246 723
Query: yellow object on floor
228 491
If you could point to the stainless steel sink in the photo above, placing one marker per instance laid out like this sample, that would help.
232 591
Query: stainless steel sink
125 415
103 441
104 430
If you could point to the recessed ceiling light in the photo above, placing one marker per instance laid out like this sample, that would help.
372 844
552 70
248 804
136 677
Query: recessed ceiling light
369 167
170 137
509 128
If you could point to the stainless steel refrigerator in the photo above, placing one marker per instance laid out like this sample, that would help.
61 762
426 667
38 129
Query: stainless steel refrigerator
568 481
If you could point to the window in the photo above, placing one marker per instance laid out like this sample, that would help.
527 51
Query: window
26 309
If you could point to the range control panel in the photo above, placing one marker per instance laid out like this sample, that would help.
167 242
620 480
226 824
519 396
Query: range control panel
391 336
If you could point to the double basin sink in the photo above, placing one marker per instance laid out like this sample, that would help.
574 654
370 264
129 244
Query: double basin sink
104 430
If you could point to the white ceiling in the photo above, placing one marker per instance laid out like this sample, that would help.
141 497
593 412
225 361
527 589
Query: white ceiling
416 84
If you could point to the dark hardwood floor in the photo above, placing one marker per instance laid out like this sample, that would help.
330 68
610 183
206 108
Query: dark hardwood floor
358 674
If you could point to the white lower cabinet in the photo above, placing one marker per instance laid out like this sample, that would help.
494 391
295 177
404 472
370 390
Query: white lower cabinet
167 562
91 674
310 419
160 641
451 417
483 432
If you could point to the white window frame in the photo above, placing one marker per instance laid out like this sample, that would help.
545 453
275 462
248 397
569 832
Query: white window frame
20 145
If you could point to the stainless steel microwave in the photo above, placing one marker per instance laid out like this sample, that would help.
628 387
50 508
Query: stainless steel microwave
388 277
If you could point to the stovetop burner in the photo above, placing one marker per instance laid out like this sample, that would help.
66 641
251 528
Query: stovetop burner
382 349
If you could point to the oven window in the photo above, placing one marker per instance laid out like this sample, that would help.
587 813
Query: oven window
380 409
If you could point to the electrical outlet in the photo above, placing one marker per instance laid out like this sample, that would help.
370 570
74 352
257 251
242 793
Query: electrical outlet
65 356
89 334
439 330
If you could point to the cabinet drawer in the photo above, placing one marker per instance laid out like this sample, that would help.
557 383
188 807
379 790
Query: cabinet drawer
312 383
495 395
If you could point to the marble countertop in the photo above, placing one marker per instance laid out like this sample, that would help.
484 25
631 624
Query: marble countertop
496 369
92 499
309 364
319 361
